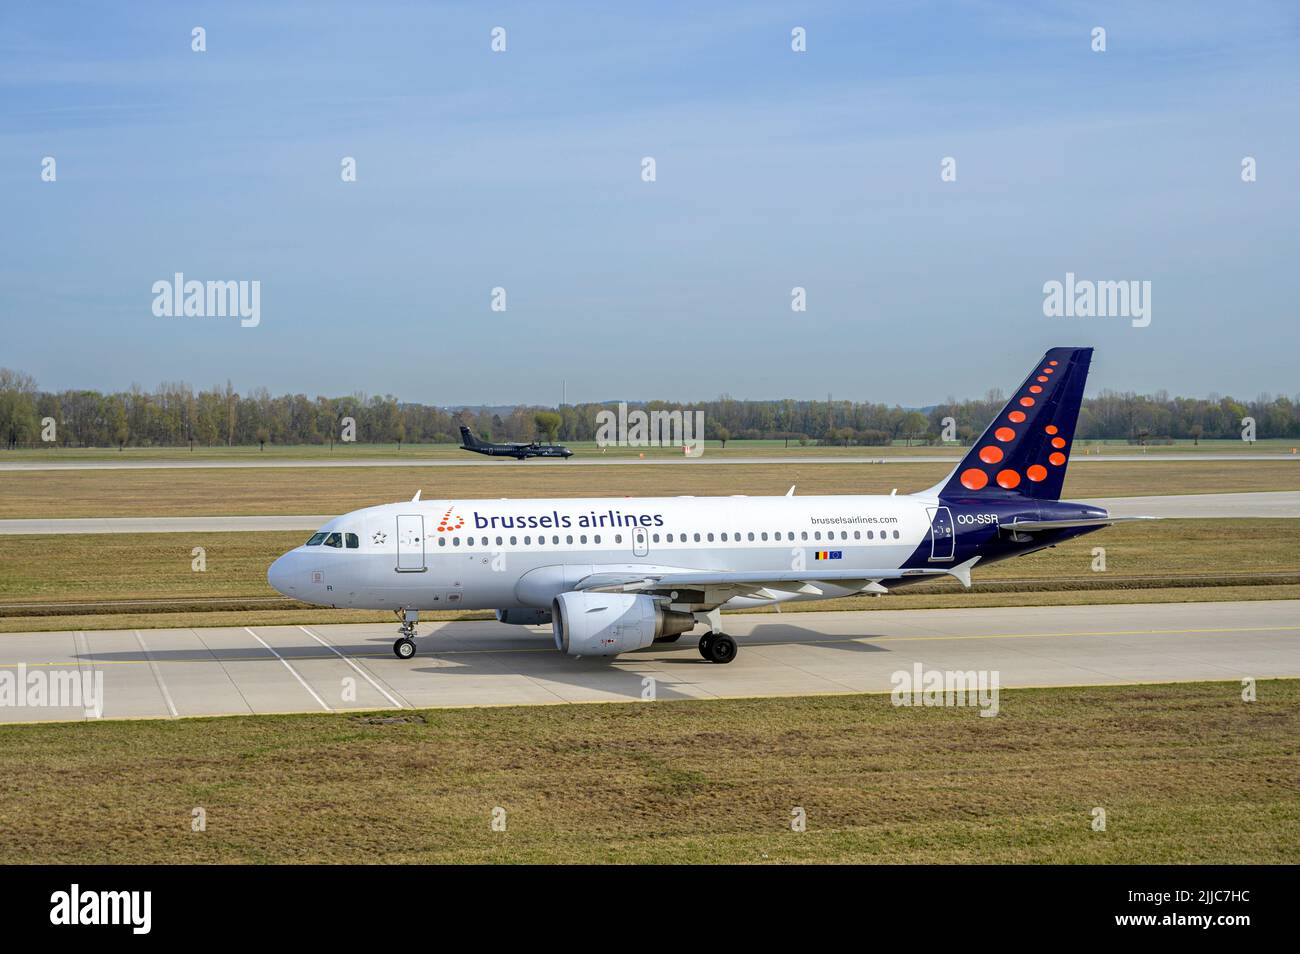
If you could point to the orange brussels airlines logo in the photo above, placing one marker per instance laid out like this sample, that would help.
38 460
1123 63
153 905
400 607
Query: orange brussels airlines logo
445 525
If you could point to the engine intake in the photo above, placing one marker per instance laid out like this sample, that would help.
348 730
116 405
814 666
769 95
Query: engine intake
606 624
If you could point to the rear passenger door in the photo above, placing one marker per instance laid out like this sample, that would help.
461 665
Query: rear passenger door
942 537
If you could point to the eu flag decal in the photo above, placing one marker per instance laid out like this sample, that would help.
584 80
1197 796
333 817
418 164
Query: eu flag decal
829 555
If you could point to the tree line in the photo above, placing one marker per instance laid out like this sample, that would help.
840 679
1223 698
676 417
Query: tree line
175 414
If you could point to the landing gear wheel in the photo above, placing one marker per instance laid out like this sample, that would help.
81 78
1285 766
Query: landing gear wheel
721 649
706 641
404 648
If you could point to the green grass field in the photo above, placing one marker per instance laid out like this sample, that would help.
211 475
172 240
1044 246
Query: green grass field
734 448
1185 773
258 491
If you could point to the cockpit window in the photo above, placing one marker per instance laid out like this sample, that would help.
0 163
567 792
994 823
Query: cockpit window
353 542
334 540
316 539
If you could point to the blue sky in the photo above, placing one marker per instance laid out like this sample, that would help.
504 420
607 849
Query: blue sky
775 169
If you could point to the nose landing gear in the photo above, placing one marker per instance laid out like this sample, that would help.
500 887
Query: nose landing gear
404 648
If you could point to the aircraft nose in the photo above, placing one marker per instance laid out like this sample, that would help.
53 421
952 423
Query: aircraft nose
280 574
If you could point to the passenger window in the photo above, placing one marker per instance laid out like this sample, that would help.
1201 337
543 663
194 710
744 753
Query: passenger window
804 535
618 538
569 538
455 541
316 539
556 539
512 540
352 541
583 538
710 538
597 538
528 541
498 541
670 538
334 540
442 541
751 535
857 534
895 534
655 538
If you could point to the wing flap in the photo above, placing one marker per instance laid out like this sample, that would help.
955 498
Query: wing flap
791 581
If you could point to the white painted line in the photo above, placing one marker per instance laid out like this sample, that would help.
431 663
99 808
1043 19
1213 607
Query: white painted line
157 674
291 669
365 675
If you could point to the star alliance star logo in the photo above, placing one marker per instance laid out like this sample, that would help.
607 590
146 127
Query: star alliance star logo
379 537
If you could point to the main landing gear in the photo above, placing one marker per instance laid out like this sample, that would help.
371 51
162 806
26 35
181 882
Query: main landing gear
717 647
404 648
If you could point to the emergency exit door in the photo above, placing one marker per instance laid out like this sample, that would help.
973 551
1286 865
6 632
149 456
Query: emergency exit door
640 542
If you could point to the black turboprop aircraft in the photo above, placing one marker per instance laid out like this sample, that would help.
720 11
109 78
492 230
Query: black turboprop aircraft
516 450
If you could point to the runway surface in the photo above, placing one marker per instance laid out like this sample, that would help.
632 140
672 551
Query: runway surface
1279 504
593 461
168 673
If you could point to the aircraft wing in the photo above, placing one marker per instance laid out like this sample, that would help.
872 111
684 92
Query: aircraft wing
1030 526
722 585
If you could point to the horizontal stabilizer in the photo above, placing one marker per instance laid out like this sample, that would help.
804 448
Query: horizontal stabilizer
1029 526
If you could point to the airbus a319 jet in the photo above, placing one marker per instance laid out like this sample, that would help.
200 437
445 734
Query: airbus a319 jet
614 575
515 449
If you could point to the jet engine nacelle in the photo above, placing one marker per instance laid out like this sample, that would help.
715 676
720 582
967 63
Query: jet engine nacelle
524 617
606 624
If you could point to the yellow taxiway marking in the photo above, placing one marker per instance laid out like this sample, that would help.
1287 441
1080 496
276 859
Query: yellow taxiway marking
808 642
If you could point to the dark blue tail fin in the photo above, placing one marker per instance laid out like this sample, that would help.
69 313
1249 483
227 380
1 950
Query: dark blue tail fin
1026 448
467 438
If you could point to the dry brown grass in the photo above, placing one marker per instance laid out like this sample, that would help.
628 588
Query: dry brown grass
45 569
1186 773
306 490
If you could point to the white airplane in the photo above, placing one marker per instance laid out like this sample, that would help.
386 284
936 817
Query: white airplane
612 575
